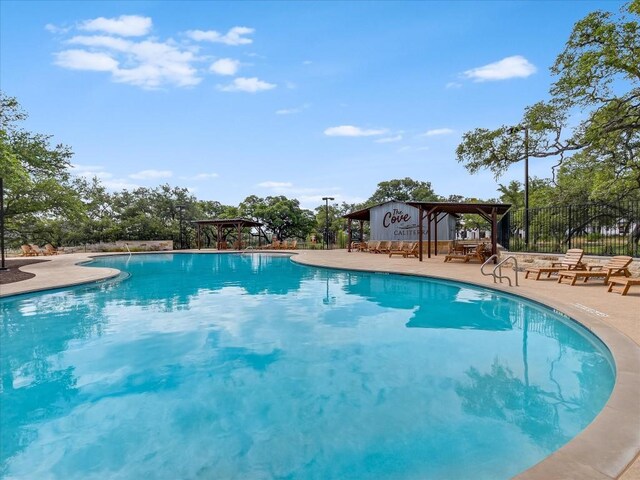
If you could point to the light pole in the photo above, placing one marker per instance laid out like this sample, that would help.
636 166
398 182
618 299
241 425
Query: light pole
326 223
2 265
181 209
526 180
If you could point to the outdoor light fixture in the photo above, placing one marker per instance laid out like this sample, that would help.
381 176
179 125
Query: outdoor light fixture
326 224
511 131
181 208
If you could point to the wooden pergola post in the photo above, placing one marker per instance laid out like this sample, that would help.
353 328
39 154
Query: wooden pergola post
494 232
361 230
199 226
349 230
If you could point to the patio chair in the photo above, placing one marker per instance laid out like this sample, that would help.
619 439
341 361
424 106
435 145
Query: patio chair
625 284
374 246
293 245
572 260
27 251
616 267
384 246
409 250
398 249
36 249
50 249
363 247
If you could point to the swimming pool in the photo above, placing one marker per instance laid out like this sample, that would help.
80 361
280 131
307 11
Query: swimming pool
251 366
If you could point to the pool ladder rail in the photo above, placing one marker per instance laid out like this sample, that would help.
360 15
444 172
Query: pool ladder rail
498 269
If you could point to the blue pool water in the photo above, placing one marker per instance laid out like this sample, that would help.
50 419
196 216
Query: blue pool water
254 367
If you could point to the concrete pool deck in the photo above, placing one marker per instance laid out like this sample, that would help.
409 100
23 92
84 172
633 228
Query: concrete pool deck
607 449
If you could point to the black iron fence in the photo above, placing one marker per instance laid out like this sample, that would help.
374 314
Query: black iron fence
598 229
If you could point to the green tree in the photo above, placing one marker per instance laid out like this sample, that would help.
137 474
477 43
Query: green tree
597 75
281 216
36 177
402 190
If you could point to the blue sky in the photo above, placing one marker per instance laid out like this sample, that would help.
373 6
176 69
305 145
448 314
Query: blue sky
303 99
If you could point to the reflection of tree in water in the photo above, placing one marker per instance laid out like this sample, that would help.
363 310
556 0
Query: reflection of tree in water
172 281
500 395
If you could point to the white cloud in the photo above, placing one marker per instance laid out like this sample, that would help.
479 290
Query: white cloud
397 138
307 62
437 131
201 176
50 27
124 25
225 66
251 85
158 64
151 174
106 178
84 60
291 111
270 184
453 85
351 131
511 67
149 64
119 184
105 41
234 37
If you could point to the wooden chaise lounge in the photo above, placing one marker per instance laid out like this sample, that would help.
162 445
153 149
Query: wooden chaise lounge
572 260
410 249
625 284
616 267
27 251
374 247
398 249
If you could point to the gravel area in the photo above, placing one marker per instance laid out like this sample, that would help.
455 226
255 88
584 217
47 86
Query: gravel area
14 274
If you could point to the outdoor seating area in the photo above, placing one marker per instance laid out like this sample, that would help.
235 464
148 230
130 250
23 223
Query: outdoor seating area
571 261
617 266
33 250
468 252
282 245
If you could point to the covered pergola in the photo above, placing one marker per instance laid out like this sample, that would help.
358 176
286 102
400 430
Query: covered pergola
432 212
225 225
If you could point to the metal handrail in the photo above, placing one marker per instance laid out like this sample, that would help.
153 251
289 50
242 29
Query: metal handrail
498 267
485 263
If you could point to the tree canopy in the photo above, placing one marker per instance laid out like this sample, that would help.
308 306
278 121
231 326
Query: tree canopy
403 190
36 174
591 124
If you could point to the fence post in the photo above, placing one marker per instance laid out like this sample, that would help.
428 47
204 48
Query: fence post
570 229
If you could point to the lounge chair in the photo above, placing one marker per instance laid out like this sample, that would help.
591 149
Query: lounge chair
477 254
397 248
384 246
36 249
407 249
616 267
293 245
50 249
625 284
363 247
374 246
27 251
572 260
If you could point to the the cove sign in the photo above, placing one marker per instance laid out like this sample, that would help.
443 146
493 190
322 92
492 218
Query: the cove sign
399 221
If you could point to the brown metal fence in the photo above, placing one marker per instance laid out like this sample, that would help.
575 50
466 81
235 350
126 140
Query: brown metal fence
599 229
